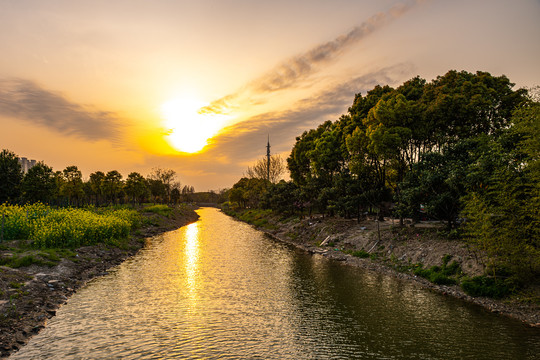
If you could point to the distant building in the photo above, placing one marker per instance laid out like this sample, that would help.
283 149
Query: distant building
26 164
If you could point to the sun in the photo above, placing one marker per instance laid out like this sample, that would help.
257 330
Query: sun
188 130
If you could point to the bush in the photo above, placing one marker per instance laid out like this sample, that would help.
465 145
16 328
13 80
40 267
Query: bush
487 286
440 275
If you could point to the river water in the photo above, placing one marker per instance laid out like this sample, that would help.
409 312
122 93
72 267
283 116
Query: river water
218 289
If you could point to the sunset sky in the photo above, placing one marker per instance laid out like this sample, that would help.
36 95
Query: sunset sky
130 85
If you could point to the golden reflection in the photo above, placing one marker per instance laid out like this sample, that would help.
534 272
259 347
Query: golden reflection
192 256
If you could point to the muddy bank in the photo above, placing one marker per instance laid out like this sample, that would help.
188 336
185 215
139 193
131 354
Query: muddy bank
392 250
31 295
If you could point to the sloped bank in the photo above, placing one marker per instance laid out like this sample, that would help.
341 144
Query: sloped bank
385 248
30 295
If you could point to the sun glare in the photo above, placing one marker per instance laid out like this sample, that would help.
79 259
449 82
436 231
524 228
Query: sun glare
189 131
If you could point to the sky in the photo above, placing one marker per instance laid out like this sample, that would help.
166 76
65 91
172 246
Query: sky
199 86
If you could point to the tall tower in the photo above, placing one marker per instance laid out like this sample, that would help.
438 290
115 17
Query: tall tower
268 159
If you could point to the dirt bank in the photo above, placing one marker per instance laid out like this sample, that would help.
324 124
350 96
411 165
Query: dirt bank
393 250
29 295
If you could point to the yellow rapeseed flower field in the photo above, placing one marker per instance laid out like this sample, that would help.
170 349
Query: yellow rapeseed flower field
48 227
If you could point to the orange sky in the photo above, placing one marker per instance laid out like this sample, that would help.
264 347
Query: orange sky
123 85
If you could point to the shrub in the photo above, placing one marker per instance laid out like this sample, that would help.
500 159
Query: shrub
487 286
440 274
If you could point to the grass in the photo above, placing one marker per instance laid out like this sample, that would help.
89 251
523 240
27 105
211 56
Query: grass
441 275
162 210
16 285
358 253
256 217
17 261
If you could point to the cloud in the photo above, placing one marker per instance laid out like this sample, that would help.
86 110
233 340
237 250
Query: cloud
24 99
246 140
292 71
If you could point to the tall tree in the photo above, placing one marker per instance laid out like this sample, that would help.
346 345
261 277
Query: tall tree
112 185
72 186
96 186
10 176
38 185
136 187
503 211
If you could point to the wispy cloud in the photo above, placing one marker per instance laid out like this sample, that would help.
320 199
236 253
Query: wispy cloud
298 68
245 140
24 99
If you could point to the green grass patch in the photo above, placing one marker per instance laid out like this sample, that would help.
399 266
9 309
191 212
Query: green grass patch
440 275
162 210
359 253
15 285
487 286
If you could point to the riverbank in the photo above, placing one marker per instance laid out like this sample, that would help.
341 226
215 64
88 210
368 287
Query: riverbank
30 295
383 247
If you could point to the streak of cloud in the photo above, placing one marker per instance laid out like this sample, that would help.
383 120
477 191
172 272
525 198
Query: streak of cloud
300 67
246 140
24 99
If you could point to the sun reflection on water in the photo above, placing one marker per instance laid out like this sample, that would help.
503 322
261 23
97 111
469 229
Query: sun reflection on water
192 256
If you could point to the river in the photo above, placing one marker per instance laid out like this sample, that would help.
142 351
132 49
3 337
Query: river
218 289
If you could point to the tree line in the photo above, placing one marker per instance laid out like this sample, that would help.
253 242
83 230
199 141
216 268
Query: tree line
67 187
463 147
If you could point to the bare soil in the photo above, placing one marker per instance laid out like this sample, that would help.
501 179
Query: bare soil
31 295
394 249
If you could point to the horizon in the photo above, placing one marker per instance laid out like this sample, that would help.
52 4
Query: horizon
197 88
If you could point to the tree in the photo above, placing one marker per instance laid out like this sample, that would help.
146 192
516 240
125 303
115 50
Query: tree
248 192
112 185
260 169
72 185
282 197
187 192
10 176
462 105
175 195
503 215
157 189
96 186
136 187
38 185
167 178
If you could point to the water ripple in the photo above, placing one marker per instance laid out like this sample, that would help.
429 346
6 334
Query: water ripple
218 289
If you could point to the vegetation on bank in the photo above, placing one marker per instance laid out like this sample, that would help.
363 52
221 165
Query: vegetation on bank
67 188
47 227
43 209
463 149
42 235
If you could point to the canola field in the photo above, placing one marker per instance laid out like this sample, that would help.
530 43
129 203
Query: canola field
47 227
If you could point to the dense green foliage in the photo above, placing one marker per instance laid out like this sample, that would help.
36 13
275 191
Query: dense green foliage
10 176
68 188
487 286
463 148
